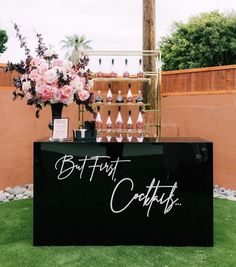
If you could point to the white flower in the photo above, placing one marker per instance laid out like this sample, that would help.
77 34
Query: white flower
70 100
38 88
48 53
51 76
90 83
24 77
65 75
26 86
67 64
43 67
77 84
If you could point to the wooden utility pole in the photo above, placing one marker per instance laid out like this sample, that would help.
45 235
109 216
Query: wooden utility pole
149 41
149 25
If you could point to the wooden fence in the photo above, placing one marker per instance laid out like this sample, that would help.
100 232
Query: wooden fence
6 78
213 80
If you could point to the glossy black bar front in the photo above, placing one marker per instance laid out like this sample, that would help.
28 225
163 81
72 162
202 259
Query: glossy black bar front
151 193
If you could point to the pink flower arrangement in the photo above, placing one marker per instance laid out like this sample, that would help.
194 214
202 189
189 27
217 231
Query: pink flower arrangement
54 81
45 79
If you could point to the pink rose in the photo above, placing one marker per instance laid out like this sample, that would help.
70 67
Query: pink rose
43 67
33 74
57 63
83 95
46 94
40 80
51 76
57 96
66 91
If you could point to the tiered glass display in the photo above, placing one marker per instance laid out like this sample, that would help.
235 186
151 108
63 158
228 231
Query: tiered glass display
127 96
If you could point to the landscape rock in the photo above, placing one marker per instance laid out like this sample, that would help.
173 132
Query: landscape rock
221 192
16 193
18 190
19 196
2 198
31 187
11 197
6 194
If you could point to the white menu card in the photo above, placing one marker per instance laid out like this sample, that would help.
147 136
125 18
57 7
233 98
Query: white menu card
60 129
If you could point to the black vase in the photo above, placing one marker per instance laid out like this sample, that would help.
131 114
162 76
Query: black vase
56 113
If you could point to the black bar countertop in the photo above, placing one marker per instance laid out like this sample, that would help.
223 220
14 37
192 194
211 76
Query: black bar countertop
157 192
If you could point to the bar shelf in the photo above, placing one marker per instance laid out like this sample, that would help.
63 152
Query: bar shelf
146 83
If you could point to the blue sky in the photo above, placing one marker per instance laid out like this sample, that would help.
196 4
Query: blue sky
114 24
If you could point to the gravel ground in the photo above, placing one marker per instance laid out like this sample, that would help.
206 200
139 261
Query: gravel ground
26 191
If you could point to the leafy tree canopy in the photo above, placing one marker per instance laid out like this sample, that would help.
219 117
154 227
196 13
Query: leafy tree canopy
3 40
208 39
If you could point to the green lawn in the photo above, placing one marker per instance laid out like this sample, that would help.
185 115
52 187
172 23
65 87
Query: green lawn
16 245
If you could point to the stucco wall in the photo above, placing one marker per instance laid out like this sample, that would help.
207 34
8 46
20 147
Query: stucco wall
19 128
212 117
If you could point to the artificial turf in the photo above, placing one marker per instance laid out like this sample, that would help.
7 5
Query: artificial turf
16 245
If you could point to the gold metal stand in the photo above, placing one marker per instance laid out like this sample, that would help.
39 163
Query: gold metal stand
151 81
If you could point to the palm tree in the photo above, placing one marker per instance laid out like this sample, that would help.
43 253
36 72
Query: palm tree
75 43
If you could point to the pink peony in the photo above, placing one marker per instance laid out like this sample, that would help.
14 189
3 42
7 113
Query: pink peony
66 91
33 74
83 95
43 67
46 94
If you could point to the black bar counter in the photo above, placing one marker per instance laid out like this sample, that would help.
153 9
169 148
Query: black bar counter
149 193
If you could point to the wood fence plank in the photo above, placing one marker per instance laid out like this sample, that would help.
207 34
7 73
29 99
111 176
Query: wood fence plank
210 80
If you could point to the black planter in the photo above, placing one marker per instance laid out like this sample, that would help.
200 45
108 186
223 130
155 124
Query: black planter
56 113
